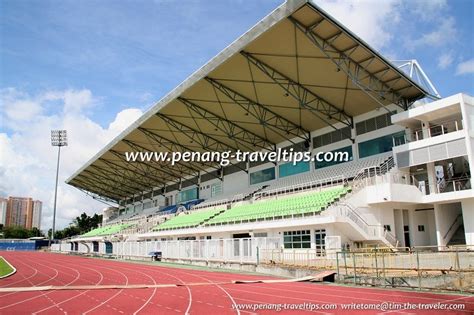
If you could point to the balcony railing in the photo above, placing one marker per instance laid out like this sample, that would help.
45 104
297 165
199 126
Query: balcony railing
451 185
432 131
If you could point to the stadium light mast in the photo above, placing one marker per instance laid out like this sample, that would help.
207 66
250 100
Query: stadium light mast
58 139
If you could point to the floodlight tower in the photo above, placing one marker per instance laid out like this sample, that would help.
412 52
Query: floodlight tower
58 139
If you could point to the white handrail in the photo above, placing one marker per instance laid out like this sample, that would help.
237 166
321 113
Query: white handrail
358 181
303 186
349 212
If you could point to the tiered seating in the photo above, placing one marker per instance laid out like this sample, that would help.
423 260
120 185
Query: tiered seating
284 207
169 209
192 219
226 198
348 170
107 230
189 204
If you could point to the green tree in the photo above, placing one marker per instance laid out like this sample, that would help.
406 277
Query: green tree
80 225
35 232
86 223
15 232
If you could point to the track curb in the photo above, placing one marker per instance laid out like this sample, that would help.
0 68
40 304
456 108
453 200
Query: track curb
11 266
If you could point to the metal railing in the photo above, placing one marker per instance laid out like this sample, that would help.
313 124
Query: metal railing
361 179
433 131
451 185
427 267
348 211
457 221
243 250
304 258
309 185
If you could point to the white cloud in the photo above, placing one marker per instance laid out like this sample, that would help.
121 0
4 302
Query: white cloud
428 9
28 162
369 20
73 101
465 67
445 60
123 120
445 34
16 107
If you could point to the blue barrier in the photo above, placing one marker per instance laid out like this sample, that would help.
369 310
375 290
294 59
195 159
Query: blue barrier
21 245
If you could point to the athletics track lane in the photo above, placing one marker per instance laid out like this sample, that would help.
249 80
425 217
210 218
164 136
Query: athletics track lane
37 268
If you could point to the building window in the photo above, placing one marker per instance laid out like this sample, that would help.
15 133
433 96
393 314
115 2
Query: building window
375 123
95 246
297 239
320 241
186 195
421 228
289 169
262 234
331 137
321 164
378 145
387 228
262 176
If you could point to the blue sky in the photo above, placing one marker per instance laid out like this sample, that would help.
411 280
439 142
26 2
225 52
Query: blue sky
93 67
130 53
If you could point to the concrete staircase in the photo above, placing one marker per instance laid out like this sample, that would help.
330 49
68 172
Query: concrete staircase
459 237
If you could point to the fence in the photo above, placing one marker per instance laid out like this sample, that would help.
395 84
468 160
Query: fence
243 250
22 245
421 268
448 268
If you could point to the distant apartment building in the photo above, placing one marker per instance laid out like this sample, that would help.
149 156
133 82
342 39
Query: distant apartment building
37 209
3 211
24 212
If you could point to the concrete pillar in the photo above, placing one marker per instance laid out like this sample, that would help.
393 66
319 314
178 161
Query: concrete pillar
468 220
425 129
432 182
440 226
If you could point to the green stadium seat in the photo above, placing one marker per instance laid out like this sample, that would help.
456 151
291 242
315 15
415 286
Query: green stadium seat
283 207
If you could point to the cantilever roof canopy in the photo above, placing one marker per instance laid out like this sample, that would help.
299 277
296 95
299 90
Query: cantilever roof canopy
295 71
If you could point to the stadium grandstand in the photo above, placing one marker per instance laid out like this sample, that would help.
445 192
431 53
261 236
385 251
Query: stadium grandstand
297 80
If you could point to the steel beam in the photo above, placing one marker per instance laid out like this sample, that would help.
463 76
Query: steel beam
173 146
229 128
359 75
147 169
168 171
98 197
123 186
119 170
109 183
266 117
306 98
87 183
118 175
205 141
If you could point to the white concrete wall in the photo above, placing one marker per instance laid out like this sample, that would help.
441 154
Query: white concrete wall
445 214
383 192
468 220
205 193
425 218
236 182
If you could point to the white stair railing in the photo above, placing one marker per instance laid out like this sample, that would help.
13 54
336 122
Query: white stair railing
348 211
364 176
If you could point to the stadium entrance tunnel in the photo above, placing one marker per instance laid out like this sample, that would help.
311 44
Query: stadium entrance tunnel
109 248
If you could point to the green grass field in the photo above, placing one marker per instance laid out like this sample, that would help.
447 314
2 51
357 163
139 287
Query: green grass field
5 268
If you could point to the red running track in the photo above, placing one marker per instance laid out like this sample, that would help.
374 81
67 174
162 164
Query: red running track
37 269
